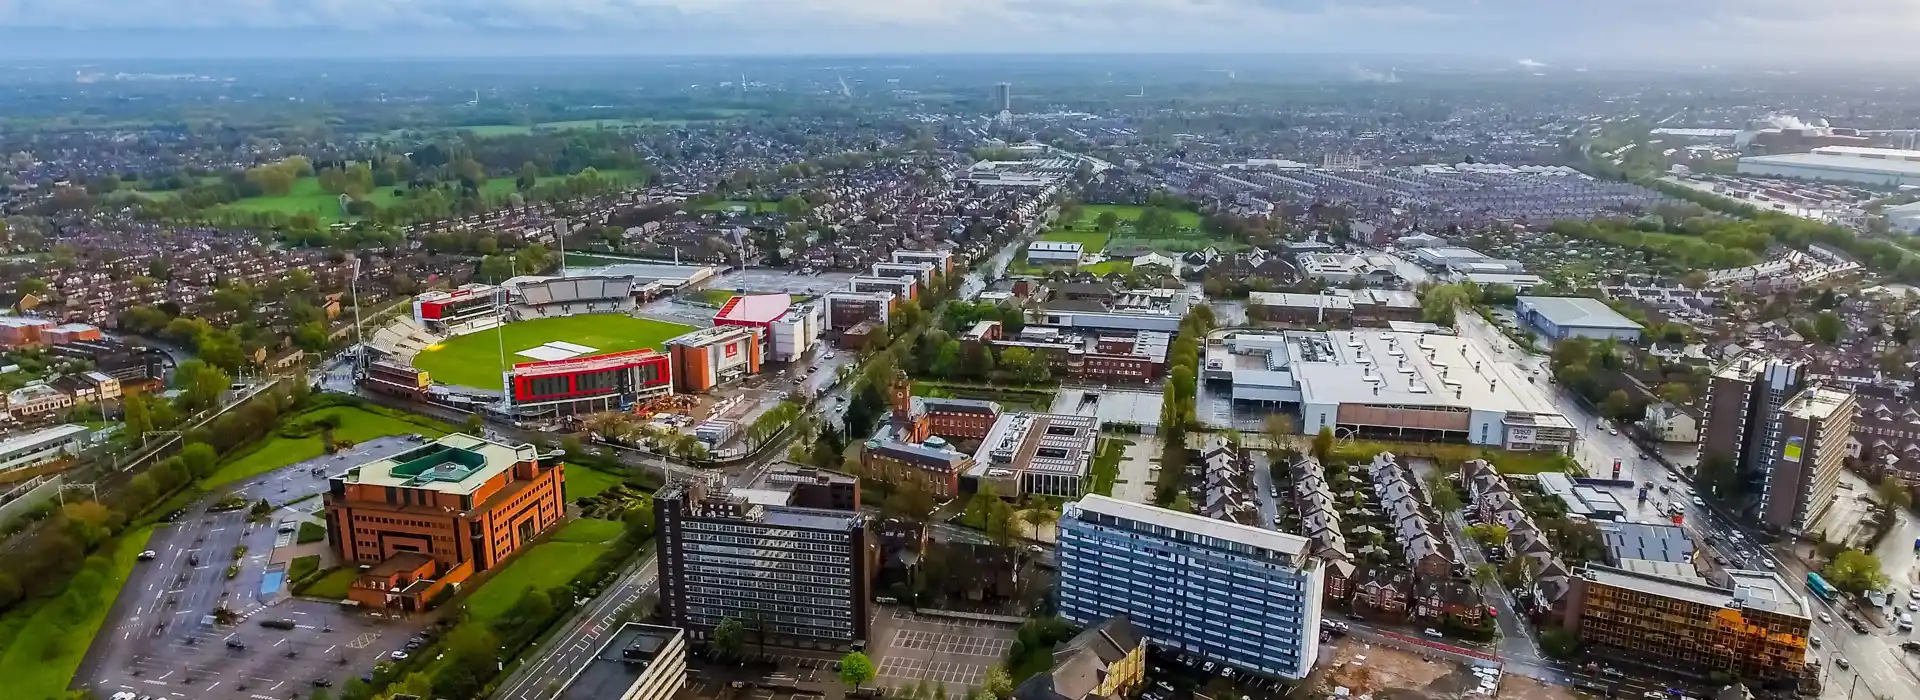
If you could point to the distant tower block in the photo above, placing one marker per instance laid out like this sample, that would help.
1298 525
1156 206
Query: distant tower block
1003 97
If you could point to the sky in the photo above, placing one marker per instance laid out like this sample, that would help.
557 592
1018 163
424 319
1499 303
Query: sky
1539 31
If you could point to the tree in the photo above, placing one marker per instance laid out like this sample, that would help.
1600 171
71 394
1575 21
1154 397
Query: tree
1892 494
997 683
1676 393
199 459
1827 327
1618 405
470 660
1323 443
855 669
137 412
1445 499
1855 571
946 360
1037 517
200 384
474 424
1279 428
1484 574
496 268
1105 222
1439 304
729 638
1488 534
911 500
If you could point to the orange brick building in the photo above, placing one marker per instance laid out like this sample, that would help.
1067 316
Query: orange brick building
708 357
435 515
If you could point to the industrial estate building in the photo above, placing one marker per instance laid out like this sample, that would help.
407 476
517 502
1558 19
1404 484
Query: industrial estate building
708 357
1335 308
1239 595
41 451
1884 167
1756 629
1390 384
439 513
1785 438
638 662
1560 318
785 555
1054 252
1108 357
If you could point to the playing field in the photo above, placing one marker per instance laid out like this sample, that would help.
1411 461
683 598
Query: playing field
307 197
474 359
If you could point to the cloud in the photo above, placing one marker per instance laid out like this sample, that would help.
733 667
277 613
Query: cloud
1545 30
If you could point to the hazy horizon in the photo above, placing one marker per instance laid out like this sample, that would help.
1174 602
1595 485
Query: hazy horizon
1540 32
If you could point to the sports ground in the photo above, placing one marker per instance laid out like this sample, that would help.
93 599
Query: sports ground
474 359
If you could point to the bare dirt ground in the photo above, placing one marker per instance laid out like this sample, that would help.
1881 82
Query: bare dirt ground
1386 673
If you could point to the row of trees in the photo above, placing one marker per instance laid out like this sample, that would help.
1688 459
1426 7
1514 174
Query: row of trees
1177 402
56 561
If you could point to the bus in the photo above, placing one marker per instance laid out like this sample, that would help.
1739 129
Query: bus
1819 587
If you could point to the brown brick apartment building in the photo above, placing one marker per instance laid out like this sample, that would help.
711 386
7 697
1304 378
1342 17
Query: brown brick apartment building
1756 630
437 514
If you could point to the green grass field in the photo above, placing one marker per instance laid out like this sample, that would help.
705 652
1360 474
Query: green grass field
547 565
306 196
332 586
1110 266
583 482
1090 241
275 452
589 530
1129 212
498 188
474 359
47 649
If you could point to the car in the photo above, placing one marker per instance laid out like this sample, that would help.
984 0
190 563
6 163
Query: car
1163 685
1434 633
1654 695
1826 619
236 644
148 555
1719 560
1611 430
1910 646
1594 686
1766 563
1815 641
1913 606
1614 672
398 655
193 560
1859 628
1207 667
1842 662
829 356
321 683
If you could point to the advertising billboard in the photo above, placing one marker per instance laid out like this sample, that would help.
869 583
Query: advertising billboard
1794 448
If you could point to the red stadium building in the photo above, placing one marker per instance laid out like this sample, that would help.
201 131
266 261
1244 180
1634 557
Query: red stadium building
445 311
612 381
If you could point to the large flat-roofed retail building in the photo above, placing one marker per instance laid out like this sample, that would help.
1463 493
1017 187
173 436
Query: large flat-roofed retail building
1389 385
1560 318
1867 166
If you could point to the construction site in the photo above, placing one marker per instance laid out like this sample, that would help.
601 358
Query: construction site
1365 671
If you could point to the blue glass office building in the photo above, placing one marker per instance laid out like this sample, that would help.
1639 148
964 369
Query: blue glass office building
1227 592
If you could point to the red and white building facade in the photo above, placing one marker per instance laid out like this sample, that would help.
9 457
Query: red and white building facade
605 382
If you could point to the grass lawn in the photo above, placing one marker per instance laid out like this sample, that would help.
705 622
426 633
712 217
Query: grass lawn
332 586
716 297
589 530
474 359
583 482
48 648
1128 212
547 565
497 188
1530 462
306 196
1106 466
311 532
1090 241
1110 266
301 567
276 452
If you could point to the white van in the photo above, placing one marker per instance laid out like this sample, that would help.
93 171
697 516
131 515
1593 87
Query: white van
1906 622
